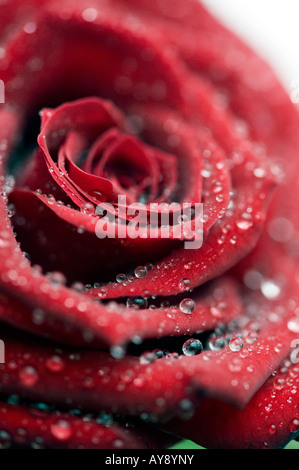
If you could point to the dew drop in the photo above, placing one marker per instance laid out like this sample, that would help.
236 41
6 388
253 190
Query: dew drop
80 229
293 325
245 222
9 184
78 287
216 343
38 316
5 440
188 266
11 210
294 426
221 239
137 303
192 347
61 430
259 173
118 444
206 173
236 344
279 383
269 289
216 312
252 279
140 272
117 352
28 376
121 278
55 364
272 429
87 208
186 409
235 366
187 306
233 240
4 243
56 278
147 358
51 200
184 284
217 187
90 14
281 230
30 27
251 337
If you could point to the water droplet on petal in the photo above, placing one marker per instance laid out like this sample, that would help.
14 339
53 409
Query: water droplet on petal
61 430
140 272
38 316
118 444
235 366
251 337
272 429
245 222
269 289
30 27
184 284
187 306
11 210
147 358
293 325
3 242
233 240
137 303
56 278
121 278
221 239
5 440
294 426
281 230
80 229
253 279
90 14
28 376
259 173
206 173
192 347
55 364
279 383
117 352
188 266
78 286
236 344
216 343
87 208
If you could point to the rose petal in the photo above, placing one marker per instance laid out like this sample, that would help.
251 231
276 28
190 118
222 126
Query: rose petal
269 420
57 430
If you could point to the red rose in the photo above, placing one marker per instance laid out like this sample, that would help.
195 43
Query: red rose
157 102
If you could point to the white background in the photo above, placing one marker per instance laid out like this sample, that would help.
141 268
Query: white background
270 26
